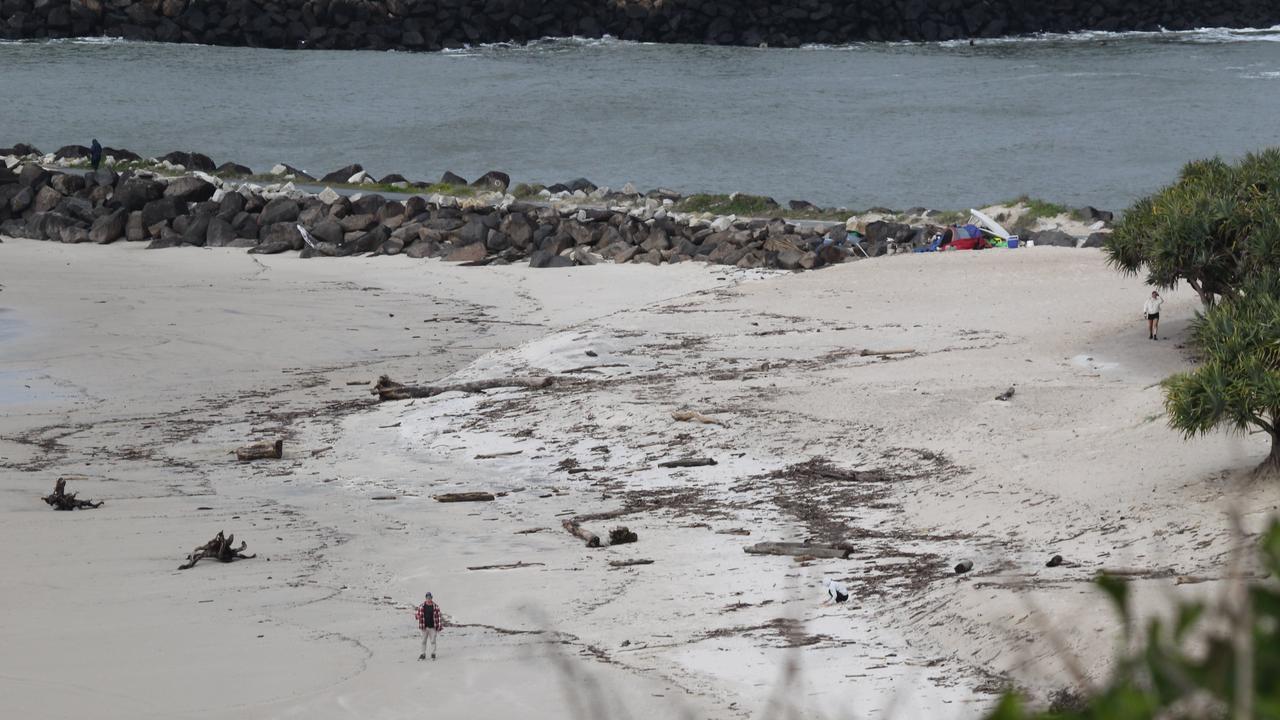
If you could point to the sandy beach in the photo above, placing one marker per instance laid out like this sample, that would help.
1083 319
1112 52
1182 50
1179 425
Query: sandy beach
136 374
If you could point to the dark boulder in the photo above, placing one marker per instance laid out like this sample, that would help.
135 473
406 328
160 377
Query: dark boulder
168 238
66 183
46 199
135 193
281 209
342 174
109 228
197 230
103 177
219 233
582 184
450 178
71 152
21 200
232 204
230 169
1096 240
77 207
162 210
368 203
120 154
880 234
33 176
299 174
393 178
1093 214
281 232
358 223
474 252
134 230
329 231
190 160
271 247
1052 238
493 180
20 150
189 189
7 176
802 206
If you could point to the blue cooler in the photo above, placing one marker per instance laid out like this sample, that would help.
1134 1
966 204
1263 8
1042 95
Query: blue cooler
1013 242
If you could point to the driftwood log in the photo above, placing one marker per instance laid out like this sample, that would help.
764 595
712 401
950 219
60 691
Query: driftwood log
629 563
591 539
261 451
799 550
388 389
220 549
60 499
895 351
465 497
687 462
506 566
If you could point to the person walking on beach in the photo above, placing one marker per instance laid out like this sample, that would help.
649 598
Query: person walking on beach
95 154
836 592
1151 310
430 623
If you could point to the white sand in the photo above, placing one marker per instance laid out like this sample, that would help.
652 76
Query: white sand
140 371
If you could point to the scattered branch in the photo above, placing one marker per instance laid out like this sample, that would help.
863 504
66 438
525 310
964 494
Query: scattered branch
220 549
60 499
465 497
388 389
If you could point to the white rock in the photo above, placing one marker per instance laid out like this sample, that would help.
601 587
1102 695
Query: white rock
279 170
661 214
668 202
218 195
722 223
630 189
579 195
544 193
328 196
48 159
358 178
211 179
581 216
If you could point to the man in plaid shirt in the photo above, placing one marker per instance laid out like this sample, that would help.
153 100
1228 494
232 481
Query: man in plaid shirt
430 623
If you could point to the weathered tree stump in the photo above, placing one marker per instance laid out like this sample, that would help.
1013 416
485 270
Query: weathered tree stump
261 451
388 389
621 536
60 499
220 549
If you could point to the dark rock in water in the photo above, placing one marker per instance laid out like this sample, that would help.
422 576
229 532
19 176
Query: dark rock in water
67 184
1094 214
281 232
474 252
802 206
582 184
450 178
33 176
161 210
219 232
135 193
392 179
197 231
493 180
281 209
109 228
120 154
20 150
233 169
1052 238
1096 240
190 160
368 203
189 189
71 152
342 174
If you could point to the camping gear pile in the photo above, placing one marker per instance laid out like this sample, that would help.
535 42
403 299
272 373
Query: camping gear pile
980 233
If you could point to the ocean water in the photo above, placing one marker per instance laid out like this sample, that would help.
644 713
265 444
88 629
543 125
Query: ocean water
1092 118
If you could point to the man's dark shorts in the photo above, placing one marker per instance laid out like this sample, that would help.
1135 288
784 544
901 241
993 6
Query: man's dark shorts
1153 316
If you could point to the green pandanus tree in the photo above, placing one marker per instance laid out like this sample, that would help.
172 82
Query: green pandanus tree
1215 227
1237 385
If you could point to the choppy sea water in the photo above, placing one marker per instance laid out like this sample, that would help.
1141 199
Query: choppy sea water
1082 119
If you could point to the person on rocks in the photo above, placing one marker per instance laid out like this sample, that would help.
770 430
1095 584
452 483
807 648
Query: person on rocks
95 154
430 623
836 592
1151 310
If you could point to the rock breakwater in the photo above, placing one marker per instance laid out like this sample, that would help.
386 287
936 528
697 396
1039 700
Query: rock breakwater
440 24
577 224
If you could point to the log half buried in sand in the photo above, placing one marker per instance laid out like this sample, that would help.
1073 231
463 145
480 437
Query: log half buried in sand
573 528
465 497
894 351
60 499
796 549
388 389
261 451
629 563
507 566
687 462
220 549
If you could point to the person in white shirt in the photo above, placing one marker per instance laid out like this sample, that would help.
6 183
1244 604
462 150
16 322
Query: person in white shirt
836 592
1151 310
